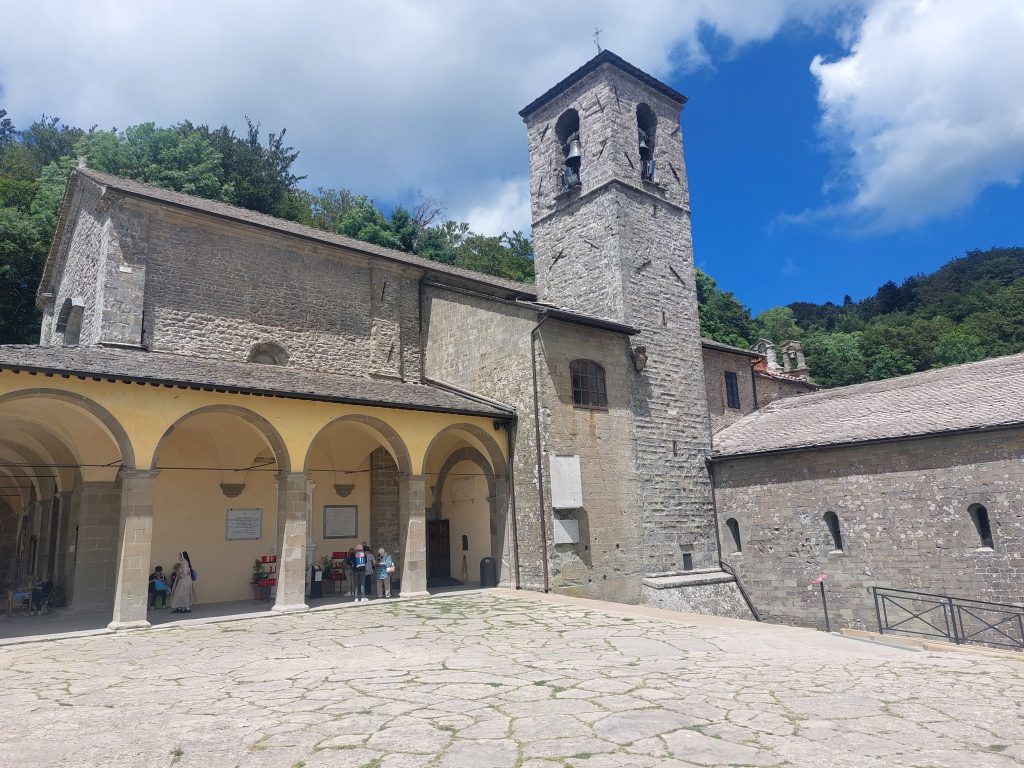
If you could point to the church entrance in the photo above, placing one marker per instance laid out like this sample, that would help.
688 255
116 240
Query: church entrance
439 556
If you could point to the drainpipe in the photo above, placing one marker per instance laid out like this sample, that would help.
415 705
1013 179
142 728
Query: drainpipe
540 455
718 540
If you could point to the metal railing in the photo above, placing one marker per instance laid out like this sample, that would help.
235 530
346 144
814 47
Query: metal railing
957 619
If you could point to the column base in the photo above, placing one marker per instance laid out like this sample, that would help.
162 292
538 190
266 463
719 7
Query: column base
297 608
140 624
424 593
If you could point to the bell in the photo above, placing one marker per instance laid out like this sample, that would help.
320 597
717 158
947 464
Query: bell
645 149
572 155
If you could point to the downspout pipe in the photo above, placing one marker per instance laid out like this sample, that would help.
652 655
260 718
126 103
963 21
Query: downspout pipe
542 517
512 500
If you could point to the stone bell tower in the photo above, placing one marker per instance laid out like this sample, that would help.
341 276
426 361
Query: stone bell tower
611 228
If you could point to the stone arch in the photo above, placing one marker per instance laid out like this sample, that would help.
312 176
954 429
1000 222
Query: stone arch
264 427
381 430
485 443
69 320
117 432
466 454
269 353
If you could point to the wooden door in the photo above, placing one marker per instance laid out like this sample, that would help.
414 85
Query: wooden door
439 556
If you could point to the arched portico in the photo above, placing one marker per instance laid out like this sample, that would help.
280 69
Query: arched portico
468 511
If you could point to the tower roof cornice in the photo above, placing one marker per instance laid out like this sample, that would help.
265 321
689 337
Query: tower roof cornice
604 57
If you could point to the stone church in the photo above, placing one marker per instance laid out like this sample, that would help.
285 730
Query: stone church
217 380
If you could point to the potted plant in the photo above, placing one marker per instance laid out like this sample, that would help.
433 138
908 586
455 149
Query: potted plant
258 574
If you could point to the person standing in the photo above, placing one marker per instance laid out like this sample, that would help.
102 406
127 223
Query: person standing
181 592
360 566
157 587
384 562
371 566
40 594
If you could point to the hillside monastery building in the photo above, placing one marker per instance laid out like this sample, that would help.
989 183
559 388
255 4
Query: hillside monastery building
216 380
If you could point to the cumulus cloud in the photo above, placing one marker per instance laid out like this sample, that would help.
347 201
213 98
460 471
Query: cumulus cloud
505 207
926 108
384 98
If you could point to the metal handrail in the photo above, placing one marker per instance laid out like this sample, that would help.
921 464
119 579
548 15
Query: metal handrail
918 613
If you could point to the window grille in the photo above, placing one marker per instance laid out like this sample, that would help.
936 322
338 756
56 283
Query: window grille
588 385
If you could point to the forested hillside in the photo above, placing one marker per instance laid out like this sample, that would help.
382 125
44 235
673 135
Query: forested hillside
970 309
212 163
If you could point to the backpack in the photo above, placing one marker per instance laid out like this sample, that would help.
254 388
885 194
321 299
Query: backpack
192 573
360 560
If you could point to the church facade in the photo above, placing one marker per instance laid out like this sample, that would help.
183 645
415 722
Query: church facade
215 380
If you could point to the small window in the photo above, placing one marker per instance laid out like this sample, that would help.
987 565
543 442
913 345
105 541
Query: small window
588 385
979 515
647 128
734 529
69 321
832 521
732 389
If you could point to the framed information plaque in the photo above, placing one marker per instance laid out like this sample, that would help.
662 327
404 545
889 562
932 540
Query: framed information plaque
341 521
243 525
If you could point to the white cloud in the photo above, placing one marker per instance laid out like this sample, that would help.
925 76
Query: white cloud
384 98
926 108
505 207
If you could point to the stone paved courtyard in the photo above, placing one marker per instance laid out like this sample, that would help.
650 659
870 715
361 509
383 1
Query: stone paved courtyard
499 680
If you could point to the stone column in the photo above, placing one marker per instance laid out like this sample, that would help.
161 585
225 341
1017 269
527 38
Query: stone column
131 594
412 531
95 557
292 522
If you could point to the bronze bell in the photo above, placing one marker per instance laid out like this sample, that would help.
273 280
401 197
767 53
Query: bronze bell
645 149
572 154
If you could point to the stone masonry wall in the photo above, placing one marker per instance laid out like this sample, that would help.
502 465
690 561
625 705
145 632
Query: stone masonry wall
903 511
621 248
716 363
608 562
216 289
80 276
771 388
383 502
484 346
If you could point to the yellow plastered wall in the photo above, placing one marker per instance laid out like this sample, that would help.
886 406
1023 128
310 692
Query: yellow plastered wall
465 505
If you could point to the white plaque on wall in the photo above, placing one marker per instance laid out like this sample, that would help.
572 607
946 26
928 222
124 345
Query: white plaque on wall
567 531
566 486
341 521
243 524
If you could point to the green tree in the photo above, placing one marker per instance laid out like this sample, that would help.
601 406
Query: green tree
889 363
958 347
722 317
21 255
777 324
835 359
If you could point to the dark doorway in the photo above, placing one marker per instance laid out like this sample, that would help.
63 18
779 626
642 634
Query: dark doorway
439 556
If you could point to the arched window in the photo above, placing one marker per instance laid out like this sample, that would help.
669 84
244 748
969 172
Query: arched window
734 529
567 130
647 129
268 353
588 385
832 521
69 321
979 516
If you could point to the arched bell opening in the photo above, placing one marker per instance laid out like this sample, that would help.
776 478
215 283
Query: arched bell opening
467 506
355 463
60 459
647 132
567 132
216 497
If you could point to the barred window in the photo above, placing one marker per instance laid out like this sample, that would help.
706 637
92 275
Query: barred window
732 389
588 386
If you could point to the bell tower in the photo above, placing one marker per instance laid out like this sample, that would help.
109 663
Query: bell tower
611 229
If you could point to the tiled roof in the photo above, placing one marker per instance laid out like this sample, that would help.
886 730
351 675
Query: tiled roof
712 344
237 377
243 215
984 395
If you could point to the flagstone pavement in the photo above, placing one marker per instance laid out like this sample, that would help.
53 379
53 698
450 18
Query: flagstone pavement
502 680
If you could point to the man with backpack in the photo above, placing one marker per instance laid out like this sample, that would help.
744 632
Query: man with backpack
360 564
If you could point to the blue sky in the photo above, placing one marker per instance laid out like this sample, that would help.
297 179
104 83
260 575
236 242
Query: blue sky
831 144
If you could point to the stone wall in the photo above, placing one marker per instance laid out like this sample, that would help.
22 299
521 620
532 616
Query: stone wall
216 289
716 363
620 248
772 388
903 513
383 502
484 346
609 560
